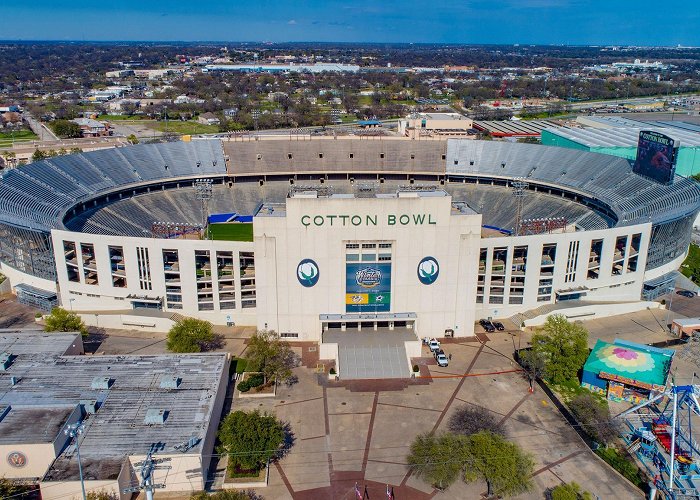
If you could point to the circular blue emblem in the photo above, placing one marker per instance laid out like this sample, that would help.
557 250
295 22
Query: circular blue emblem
307 273
428 270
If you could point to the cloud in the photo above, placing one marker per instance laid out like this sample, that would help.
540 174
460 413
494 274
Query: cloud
291 21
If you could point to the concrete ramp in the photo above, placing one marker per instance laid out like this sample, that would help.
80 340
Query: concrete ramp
372 355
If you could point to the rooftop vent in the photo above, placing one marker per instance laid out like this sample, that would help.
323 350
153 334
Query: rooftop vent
101 383
5 360
169 382
89 406
155 416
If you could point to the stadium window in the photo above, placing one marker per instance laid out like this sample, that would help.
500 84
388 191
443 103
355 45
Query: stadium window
351 155
471 163
259 157
456 162
369 245
320 155
413 157
385 245
503 165
444 157
352 245
290 156
381 155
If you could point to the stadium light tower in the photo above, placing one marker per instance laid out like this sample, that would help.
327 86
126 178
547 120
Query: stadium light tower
204 192
518 187
74 431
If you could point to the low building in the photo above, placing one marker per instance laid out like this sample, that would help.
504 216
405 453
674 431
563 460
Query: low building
419 125
93 128
126 405
686 327
626 371
208 119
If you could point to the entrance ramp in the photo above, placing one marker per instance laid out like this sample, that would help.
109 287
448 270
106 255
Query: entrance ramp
373 354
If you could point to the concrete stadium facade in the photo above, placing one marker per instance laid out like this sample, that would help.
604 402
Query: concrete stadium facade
361 211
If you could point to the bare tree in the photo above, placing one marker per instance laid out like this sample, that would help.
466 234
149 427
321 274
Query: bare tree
470 419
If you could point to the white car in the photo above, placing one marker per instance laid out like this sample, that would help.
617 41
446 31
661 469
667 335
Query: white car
442 360
434 345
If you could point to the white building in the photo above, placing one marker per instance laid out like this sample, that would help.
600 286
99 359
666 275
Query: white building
444 125
349 247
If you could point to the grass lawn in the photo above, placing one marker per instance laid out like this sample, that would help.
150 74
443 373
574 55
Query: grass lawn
183 128
233 231
121 118
691 265
19 135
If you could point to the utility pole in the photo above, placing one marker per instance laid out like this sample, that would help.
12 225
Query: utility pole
147 467
74 431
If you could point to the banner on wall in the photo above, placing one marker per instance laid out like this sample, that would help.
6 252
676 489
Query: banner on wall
368 287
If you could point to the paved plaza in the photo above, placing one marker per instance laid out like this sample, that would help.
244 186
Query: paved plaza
360 431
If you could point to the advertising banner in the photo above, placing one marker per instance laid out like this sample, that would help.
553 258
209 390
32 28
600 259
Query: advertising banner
656 156
368 287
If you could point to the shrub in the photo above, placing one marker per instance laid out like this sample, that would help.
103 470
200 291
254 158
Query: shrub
61 320
332 371
623 465
594 416
250 439
416 368
252 381
190 335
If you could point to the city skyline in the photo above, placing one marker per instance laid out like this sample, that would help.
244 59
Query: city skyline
547 22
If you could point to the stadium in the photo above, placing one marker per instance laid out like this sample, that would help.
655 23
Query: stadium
319 237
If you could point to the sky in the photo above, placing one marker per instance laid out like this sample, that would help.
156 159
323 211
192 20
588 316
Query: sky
565 22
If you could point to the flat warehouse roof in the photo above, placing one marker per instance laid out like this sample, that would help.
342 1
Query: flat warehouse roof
125 389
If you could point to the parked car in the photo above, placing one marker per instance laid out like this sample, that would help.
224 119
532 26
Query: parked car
686 293
499 326
442 359
434 345
487 325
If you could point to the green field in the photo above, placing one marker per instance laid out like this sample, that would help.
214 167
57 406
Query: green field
122 118
231 231
184 128
19 136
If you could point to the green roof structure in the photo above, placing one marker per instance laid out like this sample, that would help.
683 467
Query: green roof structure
629 362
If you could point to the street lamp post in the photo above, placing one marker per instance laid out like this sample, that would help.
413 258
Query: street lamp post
74 431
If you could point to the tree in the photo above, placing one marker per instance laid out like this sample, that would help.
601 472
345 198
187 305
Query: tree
38 155
534 364
505 467
190 335
61 320
470 419
568 491
132 139
66 129
250 439
13 489
564 347
10 156
594 416
440 459
268 354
